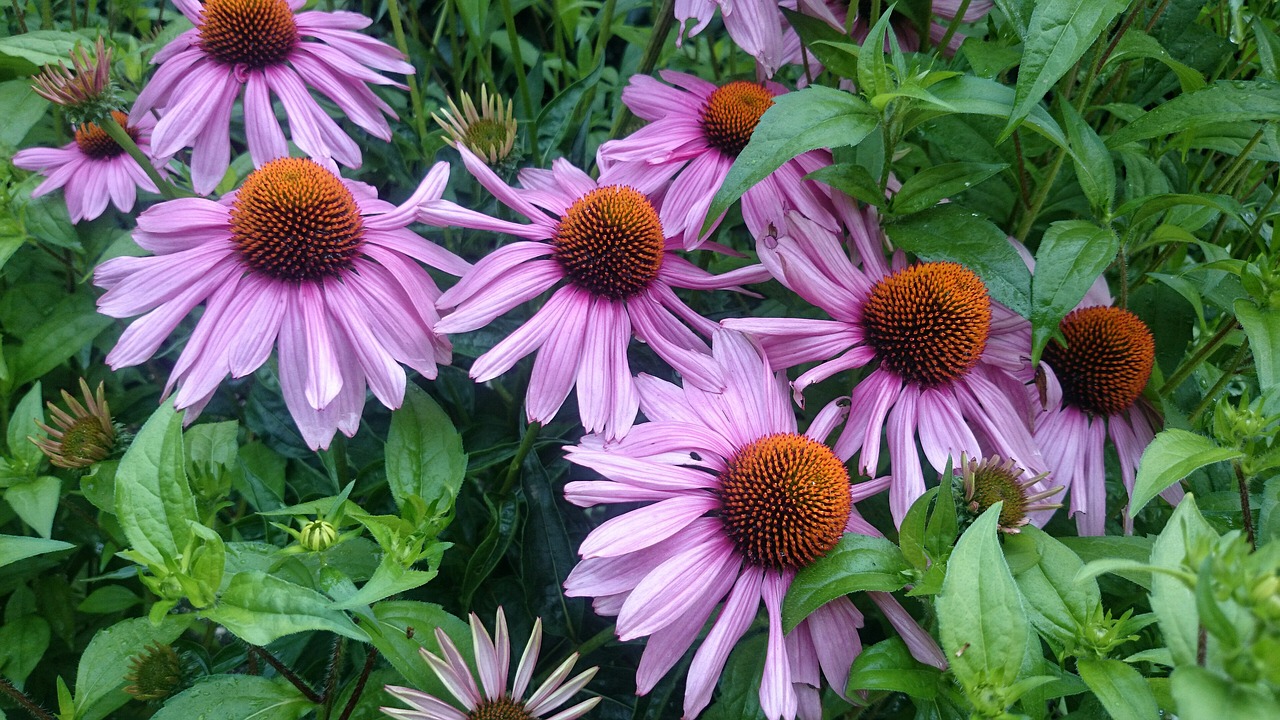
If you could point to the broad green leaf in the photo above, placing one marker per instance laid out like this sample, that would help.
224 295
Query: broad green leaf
100 677
1071 256
1058 604
15 547
503 521
22 424
237 697
1131 548
389 579
1058 34
949 232
153 501
1263 328
424 452
404 627
1171 456
1148 206
832 47
1268 517
982 622
36 502
1122 690
1137 44
929 186
983 96
1172 600
739 696
857 563
1203 695
109 599
853 180
889 666
20 109
1018 12
808 119
260 608
873 74
1223 101
42 47
1095 170
56 339
23 641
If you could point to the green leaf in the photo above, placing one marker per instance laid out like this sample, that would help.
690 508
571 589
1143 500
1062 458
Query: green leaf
1171 456
982 96
404 627
1058 604
390 578
14 548
153 501
857 563
852 179
1071 256
1095 170
1203 695
924 189
36 502
1263 328
1126 548
739 697
42 47
237 697
1223 101
503 520
889 666
108 600
1137 44
949 232
100 676
20 109
981 618
808 119
873 74
23 641
832 47
1123 691
1058 34
424 452
53 341
1172 600
22 424
260 608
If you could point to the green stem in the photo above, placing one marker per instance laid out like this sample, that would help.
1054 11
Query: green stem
21 698
597 641
1243 483
1185 369
1239 161
360 683
513 470
338 456
1042 194
951 27
518 60
606 30
117 133
1228 373
657 40
397 29
17 13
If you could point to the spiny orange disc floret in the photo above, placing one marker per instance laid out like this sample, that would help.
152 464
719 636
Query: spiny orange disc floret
784 501
502 708
732 113
254 33
294 220
96 143
929 322
1106 362
610 242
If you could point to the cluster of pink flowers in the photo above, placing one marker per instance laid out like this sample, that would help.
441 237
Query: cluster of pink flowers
735 500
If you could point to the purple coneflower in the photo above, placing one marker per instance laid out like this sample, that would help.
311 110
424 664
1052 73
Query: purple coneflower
490 699
1093 389
946 356
300 256
736 501
259 46
695 132
94 170
615 268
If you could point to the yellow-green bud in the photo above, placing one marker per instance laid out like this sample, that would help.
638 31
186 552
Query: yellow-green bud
318 535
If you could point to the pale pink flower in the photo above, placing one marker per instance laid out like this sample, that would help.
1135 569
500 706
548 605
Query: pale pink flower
735 502
300 257
261 47
950 364
93 169
604 252
695 133
490 700
1092 389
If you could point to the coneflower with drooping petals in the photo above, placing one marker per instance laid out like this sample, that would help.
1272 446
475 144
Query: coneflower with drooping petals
696 131
490 700
85 434
735 500
1092 389
948 359
612 267
258 49
298 257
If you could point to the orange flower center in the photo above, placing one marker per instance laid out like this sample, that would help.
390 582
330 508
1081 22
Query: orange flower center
1107 360
96 143
503 708
294 220
929 322
610 242
256 33
784 501
732 113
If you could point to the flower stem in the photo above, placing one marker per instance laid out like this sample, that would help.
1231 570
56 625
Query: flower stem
1243 484
513 470
526 98
951 27
286 673
415 97
117 133
21 698
1185 369
360 683
657 40
597 641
